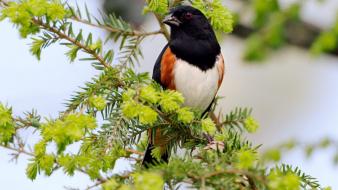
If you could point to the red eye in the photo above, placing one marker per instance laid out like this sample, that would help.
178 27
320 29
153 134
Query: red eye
188 16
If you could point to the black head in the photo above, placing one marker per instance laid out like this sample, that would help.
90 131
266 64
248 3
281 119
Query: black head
189 20
192 37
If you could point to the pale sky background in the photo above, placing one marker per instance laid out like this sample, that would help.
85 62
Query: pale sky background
293 95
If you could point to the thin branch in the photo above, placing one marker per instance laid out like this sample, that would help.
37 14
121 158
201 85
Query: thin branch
66 37
3 2
94 185
135 152
132 51
299 33
114 30
73 41
18 150
164 29
21 150
203 183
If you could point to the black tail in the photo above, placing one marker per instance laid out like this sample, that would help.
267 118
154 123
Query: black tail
148 159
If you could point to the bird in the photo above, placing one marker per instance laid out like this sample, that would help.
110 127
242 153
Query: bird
190 63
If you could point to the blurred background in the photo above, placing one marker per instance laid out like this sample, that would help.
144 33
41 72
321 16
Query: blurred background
277 66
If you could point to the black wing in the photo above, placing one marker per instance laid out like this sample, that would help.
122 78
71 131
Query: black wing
157 67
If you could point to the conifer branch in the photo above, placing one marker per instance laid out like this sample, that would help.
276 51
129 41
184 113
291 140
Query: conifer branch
110 29
72 40
64 36
134 151
131 105
3 2
100 179
164 29
21 150
250 177
94 185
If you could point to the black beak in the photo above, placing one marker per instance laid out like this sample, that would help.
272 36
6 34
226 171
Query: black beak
171 20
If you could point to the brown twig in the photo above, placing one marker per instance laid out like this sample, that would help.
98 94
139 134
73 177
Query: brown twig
73 41
18 150
3 2
21 150
134 151
113 30
94 185
164 29
66 37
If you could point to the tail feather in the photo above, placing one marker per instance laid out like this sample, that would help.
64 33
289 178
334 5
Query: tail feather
148 159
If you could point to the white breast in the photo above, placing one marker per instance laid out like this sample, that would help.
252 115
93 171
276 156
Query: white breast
198 87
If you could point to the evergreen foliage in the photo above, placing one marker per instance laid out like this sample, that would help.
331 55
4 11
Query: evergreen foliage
129 103
273 25
270 21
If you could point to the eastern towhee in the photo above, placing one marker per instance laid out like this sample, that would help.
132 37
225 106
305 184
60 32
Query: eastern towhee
190 63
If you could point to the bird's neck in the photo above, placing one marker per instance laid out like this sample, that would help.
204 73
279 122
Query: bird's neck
200 51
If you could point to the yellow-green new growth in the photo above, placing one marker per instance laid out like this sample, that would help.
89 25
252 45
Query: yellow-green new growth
70 129
185 115
251 125
208 126
130 109
22 13
156 153
279 181
220 17
110 184
40 148
32 170
170 101
47 163
148 180
7 126
97 102
96 46
68 163
158 6
147 115
149 94
246 159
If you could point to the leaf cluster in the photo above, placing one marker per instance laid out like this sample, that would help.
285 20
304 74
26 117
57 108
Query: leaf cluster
22 14
220 17
327 41
270 21
7 127
118 29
